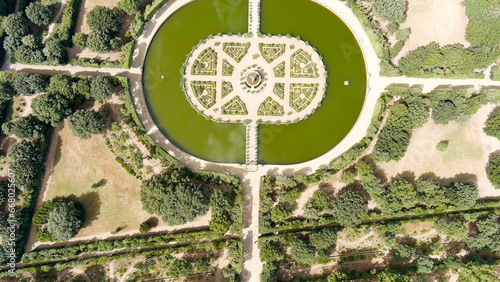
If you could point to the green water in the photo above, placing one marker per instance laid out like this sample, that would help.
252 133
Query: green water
340 109
294 143
167 102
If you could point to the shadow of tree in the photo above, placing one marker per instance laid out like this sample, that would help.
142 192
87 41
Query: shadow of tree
91 204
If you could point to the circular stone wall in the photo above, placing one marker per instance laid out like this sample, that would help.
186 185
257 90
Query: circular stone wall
266 79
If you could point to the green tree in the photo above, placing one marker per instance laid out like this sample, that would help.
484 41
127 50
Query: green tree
180 268
221 204
405 252
177 203
317 204
349 207
83 87
128 6
11 44
41 216
289 195
55 52
462 195
487 236
280 213
492 127
424 265
38 13
80 40
323 239
269 252
394 138
348 176
399 195
27 161
391 10
44 236
99 41
302 252
105 19
84 123
202 265
482 29
30 51
476 272
15 25
6 92
101 88
29 84
62 84
24 127
430 193
145 226
493 170
452 227
51 108
65 220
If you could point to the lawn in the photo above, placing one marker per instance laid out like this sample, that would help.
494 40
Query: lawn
77 165
467 154
441 21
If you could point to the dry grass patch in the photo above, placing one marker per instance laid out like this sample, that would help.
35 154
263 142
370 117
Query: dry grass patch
78 164
441 21
467 154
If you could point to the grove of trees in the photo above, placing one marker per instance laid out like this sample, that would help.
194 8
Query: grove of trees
61 219
104 24
177 201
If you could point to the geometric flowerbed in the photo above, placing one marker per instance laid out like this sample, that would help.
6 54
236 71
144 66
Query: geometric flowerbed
268 79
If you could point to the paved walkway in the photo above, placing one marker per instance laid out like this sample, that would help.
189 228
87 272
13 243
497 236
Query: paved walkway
252 138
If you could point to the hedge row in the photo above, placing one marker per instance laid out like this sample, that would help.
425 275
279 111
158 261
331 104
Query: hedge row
62 253
152 8
64 30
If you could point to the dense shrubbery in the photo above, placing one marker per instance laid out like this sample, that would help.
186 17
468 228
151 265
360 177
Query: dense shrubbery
495 73
38 13
173 197
128 6
25 127
394 138
401 195
492 127
84 123
454 104
349 207
101 88
391 10
152 8
63 218
29 84
27 161
104 24
64 30
51 108
493 170
484 23
455 60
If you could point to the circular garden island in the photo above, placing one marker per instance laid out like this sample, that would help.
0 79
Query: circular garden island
266 79
292 86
